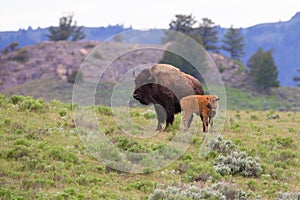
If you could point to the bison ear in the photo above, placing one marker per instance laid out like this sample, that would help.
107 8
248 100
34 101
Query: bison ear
218 99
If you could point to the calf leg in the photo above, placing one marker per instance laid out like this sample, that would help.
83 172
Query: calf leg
205 123
211 122
187 119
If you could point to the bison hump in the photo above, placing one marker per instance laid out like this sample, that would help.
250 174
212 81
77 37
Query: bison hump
178 82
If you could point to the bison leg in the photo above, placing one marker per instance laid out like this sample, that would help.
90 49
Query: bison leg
161 115
170 115
170 119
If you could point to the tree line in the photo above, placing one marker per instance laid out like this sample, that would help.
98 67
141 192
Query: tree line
261 67
207 35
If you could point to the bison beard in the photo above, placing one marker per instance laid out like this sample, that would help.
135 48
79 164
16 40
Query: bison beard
156 86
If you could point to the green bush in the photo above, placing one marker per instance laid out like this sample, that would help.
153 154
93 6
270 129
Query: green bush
3 100
28 103
31 104
63 112
149 115
15 99
18 152
145 186
131 145
104 110
60 154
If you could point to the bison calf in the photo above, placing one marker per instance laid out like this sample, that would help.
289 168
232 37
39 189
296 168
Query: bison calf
204 105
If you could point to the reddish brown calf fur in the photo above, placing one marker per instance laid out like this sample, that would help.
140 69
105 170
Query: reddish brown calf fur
203 105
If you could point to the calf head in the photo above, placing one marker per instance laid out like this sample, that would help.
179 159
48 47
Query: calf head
212 102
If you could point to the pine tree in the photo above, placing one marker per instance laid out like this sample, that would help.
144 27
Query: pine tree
263 71
208 34
297 78
66 30
182 23
233 42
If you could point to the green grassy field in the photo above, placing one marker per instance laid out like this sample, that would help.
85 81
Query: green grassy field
43 157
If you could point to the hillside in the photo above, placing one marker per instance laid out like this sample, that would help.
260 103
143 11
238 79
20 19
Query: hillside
280 36
43 157
46 70
49 65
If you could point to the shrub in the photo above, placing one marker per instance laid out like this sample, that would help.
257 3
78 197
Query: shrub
149 115
221 146
21 56
254 118
31 104
3 100
60 154
145 186
28 103
104 110
287 195
220 191
238 163
130 145
15 99
63 112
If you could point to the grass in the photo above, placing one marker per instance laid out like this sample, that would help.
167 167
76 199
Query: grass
43 157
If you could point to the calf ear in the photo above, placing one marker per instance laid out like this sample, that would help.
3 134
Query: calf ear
218 99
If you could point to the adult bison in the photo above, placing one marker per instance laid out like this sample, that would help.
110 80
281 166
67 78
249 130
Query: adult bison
164 85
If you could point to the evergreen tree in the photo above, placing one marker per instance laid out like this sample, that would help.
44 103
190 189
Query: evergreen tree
233 42
263 71
182 23
208 34
297 78
66 30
